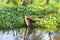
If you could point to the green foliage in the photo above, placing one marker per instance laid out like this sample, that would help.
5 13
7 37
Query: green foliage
12 16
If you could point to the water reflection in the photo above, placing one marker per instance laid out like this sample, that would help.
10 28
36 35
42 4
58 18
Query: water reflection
18 35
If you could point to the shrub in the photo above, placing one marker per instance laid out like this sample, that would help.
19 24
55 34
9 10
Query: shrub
12 16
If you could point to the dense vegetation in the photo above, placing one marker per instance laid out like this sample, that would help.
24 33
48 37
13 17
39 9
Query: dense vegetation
12 16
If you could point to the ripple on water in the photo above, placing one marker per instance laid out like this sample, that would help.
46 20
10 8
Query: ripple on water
4 36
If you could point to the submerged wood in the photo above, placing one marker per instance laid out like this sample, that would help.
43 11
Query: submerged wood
50 36
57 37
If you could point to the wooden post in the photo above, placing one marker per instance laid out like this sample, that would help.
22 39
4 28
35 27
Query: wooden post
29 25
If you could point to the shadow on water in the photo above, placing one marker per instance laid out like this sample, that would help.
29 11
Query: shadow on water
18 34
